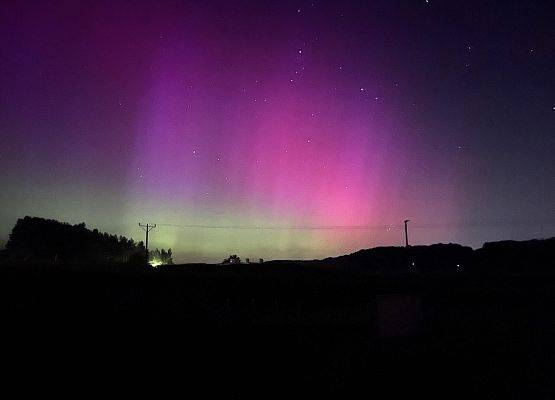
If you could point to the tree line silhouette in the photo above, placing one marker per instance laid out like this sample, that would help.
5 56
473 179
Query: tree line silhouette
36 240
39 240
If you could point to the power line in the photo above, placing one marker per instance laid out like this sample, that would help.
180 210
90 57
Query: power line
266 227
366 227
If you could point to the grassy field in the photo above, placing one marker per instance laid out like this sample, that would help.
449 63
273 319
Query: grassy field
316 326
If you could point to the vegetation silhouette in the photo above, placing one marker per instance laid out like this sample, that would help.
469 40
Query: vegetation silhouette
36 240
159 257
232 259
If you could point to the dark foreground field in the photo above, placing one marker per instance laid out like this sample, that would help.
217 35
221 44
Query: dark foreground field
280 329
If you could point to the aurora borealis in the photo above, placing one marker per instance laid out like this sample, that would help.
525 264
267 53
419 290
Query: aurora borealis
229 122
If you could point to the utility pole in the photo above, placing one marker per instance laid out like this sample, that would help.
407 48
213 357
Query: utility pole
147 228
406 233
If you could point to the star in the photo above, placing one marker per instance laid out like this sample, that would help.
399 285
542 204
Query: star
194 152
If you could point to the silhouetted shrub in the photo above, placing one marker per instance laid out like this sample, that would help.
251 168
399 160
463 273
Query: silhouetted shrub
232 259
160 257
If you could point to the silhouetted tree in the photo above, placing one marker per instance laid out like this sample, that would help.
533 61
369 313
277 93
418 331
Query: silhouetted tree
232 259
160 257
38 240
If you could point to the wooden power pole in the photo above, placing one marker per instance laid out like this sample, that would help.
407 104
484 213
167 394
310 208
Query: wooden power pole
406 233
147 228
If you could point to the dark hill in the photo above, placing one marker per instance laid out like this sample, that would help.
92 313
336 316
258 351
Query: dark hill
434 258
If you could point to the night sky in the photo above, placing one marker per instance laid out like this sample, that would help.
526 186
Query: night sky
280 129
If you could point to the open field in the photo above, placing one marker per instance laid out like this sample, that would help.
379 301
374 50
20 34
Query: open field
488 334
